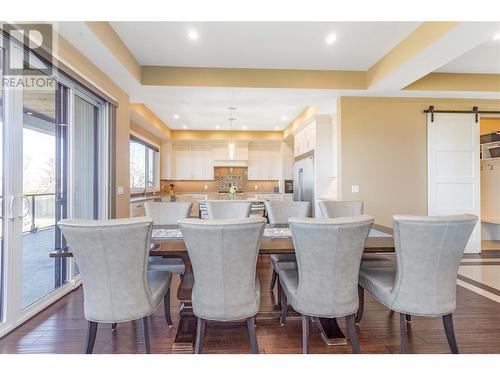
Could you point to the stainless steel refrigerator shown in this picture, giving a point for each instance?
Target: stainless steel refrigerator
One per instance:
(303, 181)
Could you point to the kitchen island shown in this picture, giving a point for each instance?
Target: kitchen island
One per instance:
(137, 202)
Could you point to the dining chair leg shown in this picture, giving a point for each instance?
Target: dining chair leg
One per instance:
(279, 289)
(113, 326)
(200, 335)
(408, 317)
(450, 333)
(305, 334)
(273, 280)
(91, 334)
(254, 346)
(350, 321)
(284, 306)
(403, 333)
(361, 297)
(146, 334)
(166, 308)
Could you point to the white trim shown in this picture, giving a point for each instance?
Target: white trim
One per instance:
(142, 138)
(85, 77)
(157, 182)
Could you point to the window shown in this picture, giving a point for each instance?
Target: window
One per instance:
(144, 166)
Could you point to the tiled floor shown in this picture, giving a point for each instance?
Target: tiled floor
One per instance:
(481, 274)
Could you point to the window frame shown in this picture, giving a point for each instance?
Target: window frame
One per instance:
(148, 147)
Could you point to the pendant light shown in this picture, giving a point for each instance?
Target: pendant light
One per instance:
(231, 147)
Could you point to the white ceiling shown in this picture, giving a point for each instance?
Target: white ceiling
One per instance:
(286, 45)
(484, 58)
(257, 45)
(202, 108)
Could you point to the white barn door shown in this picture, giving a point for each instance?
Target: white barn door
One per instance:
(453, 169)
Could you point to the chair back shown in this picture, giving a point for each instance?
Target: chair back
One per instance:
(428, 254)
(224, 254)
(329, 254)
(333, 209)
(112, 258)
(167, 213)
(279, 212)
(228, 209)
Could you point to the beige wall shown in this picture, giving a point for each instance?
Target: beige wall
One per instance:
(76, 60)
(209, 135)
(490, 125)
(144, 133)
(384, 151)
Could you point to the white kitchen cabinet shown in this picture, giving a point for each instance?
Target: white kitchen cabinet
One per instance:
(192, 162)
(137, 209)
(305, 140)
(166, 161)
(288, 160)
(221, 151)
(264, 161)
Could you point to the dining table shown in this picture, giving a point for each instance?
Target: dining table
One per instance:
(167, 242)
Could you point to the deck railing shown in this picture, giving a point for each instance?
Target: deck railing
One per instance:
(40, 213)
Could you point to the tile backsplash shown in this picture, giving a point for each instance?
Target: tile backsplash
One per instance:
(238, 176)
(191, 186)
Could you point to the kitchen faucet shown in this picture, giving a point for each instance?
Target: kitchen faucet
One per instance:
(150, 183)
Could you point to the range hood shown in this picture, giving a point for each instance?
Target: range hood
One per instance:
(230, 163)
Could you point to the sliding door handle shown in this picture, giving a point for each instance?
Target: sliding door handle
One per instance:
(26, 206)
(10, 207)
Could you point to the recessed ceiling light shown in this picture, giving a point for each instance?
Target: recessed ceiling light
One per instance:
(496, 37)
(330, 39)
(176, 117)
(193, 35)
(184, 127)
(276, 128)
(284, 118)
(217, 127)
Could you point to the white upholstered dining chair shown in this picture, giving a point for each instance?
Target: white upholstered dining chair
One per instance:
(336, 209)
(279, 212)
(167, 213)
(325, 284)
(112, 256)
(228, 209)
(423, 279)
(224, 254)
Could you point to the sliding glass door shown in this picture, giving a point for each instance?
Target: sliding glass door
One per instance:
(86, 133)
(40, 156)
(53, 165)
(2, 200)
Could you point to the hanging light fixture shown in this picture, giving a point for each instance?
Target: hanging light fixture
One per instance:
(231, 147)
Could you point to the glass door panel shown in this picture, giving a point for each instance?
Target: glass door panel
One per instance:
(39, 166)
(2, 210)
(85, 132)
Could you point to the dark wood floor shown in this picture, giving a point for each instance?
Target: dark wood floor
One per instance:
(61, 329)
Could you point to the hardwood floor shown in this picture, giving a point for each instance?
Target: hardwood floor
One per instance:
(61, 329)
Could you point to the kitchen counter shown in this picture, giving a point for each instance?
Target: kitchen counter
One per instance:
(142, 198)
(137, 202)
(255, 197)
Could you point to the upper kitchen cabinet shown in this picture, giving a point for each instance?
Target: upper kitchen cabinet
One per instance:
(305, 139)
(288, 160)
(192, 161)
(264, 161)
(166, 161)
(221, 151)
